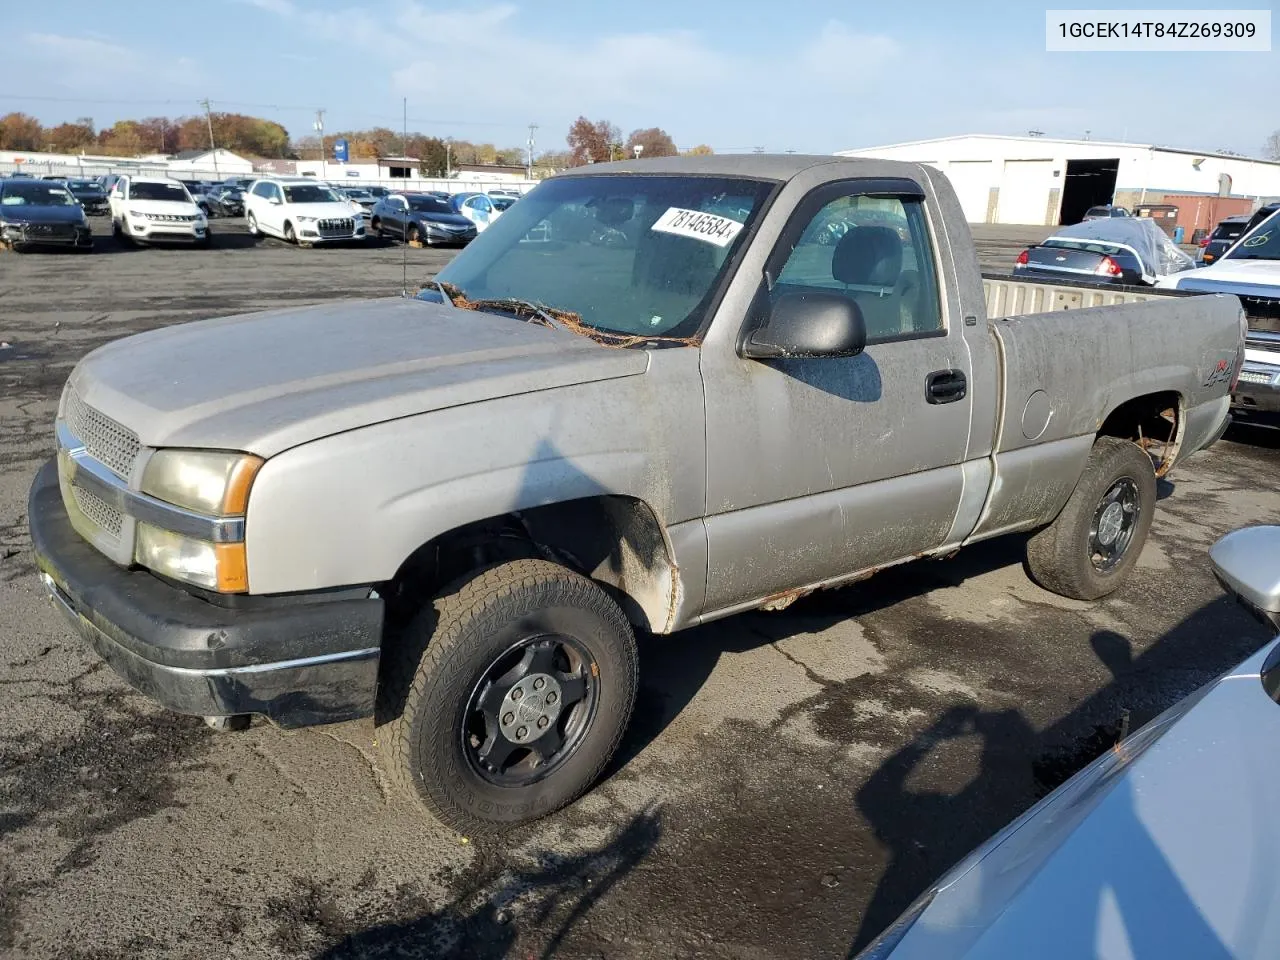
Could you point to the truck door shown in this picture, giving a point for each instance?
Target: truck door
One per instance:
(822, 467)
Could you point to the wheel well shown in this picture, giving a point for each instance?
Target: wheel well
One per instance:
(616, 541)
(1154, 422)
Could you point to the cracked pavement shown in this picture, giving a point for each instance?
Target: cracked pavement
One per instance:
(789, 784)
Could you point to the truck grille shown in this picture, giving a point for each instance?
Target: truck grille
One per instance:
(98, 511)
(1263, 312)
(59, 230)
(336, 228)
(107, 441)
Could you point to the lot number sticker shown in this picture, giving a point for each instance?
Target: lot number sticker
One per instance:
(698, 225)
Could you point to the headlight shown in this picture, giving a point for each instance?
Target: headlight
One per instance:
(306, 219)
(137, 215)
(174, 555)
(208, 482)
(211, 482)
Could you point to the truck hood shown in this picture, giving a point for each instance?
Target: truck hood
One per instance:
(269, 381)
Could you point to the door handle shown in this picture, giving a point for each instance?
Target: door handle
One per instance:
(945, 386)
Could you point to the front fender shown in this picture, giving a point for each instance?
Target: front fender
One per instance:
(352, 507)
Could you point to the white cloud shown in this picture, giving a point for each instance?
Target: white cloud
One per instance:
(89, 62)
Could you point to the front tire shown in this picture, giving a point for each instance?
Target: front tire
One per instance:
(251, 222)
(412, 237)
(289, 235)
(1087, 552)
(508, 696)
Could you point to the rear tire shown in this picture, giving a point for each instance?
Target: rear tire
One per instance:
(447, 689)
(1087, 552)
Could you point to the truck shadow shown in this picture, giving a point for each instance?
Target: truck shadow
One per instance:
(673, 668)
(498, 911)
(925, 832)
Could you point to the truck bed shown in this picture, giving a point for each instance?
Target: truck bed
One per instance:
(1010, 297)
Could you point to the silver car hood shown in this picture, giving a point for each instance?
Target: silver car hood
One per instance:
(269, 381)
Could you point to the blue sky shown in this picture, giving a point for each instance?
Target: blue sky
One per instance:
(806, 75)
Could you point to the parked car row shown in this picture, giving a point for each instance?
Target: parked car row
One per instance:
(303, 210)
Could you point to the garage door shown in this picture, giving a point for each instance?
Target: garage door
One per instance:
(1024, 192)
(972, 180)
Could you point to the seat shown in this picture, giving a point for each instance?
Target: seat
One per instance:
(871, 257)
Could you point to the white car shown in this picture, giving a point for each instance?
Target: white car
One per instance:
(156, 209)
(300, 210)
(476, 207)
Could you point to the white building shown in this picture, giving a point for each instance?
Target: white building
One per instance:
(201, 162)
(402, 173)
(1039, 180)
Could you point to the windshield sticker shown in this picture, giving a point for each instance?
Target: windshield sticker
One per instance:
(698, 226)
(1257, 240)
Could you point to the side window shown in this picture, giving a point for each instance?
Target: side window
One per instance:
(123, 187)
(262, 190)
(876, 251)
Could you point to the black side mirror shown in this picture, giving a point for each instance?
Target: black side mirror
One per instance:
(810, 324)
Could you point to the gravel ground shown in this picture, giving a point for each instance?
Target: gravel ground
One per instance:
(791, 781)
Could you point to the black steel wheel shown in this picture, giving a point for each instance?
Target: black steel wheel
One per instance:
(530, 710)
(506, 697)
(1114, 523)
(1093, 544)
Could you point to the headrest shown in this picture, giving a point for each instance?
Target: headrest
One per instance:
(868, 255)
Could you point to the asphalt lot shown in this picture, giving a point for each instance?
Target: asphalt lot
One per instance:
(791, 781)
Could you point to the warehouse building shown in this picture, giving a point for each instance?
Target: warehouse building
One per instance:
(1040, 180)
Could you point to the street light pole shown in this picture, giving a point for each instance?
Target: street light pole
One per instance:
(319, 125)
(528, 169)
(448, 166)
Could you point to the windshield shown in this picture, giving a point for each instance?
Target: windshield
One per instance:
(143, 190)
(634, 255)
(1262, 244)
(36, 194)
(428, 205)
(309, 193)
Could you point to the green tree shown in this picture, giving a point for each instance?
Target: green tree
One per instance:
(1272, 148)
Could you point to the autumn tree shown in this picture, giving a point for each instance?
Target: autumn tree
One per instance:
(70, 137)
(124, 138)
(701, 150)
(20, 131)
(592, 142)
(654, 141)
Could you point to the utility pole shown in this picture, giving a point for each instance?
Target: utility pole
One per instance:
(208, 116)
(528, 170)
(448, 149)
(319, 125)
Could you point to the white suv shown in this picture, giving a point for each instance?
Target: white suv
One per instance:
(300, 210)
(156, 209)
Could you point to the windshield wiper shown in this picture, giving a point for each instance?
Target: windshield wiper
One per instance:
(524, 309)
